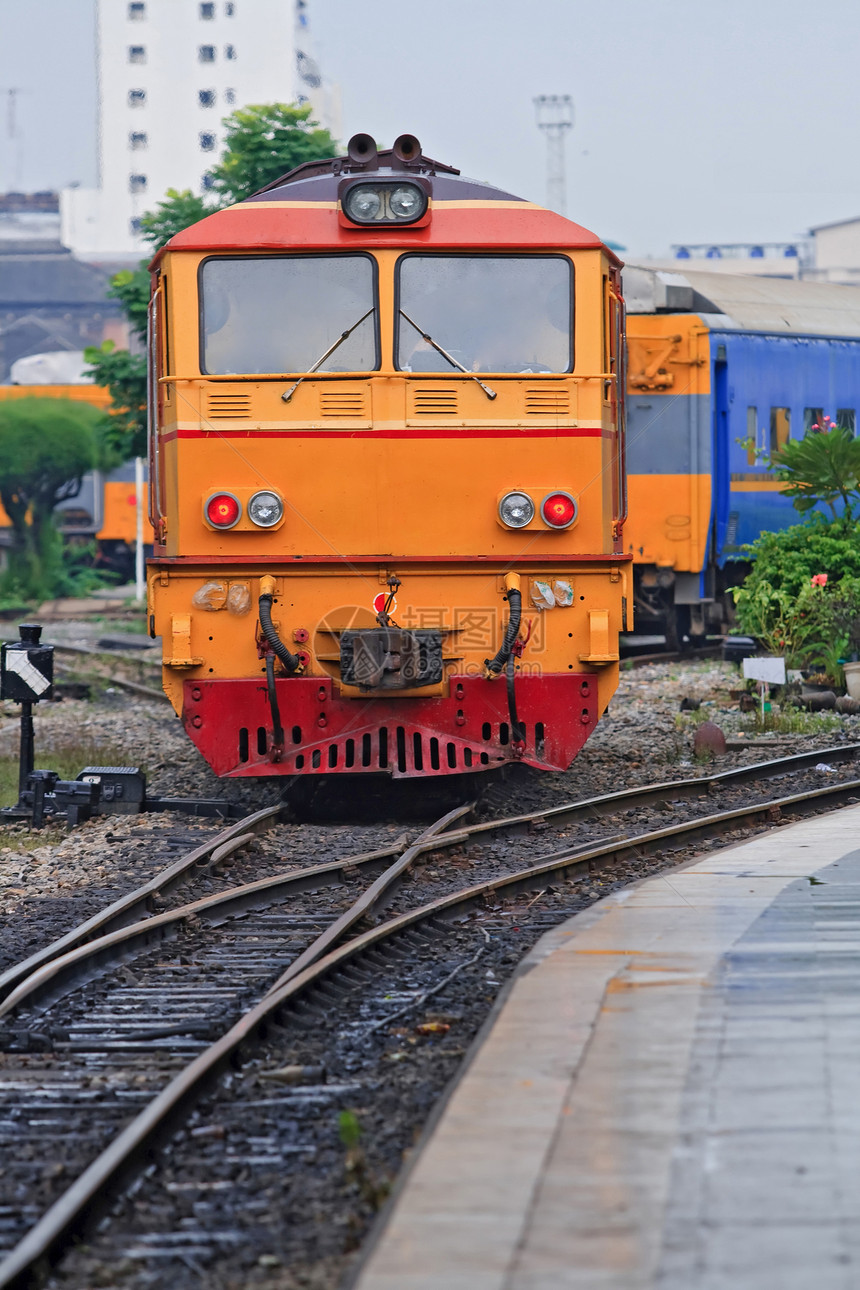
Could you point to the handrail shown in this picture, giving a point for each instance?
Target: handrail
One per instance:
(388, 373)
(156, 508)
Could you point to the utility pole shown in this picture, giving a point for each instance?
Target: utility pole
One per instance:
(16, 159)
(554, 118)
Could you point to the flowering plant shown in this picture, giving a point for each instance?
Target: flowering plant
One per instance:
(821, 469)
(812, 629)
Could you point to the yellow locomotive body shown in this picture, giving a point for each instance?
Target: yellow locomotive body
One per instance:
(423, 621)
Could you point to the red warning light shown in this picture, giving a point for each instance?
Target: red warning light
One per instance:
(558, 510)
(223, 510)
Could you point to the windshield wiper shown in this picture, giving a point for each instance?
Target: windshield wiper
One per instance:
(491, 394)
(288, 394)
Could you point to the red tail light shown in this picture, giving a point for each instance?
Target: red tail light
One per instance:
(223, 510)
(558, 510)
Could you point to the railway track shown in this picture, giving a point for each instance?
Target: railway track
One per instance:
(105, 665)
(133, 1030)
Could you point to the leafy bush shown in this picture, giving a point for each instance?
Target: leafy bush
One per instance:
(822, 468)
(787, 561)
(811, 619)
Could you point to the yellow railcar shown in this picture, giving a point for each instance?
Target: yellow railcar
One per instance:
(105, 509)
(388, 474)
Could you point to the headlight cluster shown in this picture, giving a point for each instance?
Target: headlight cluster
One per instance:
(224, 510)
(558, 510)
(516, 510)
(384, 203)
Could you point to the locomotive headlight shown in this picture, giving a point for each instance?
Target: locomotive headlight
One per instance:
(265, 509)
(384, 203)
(363, 204)
(407, 202)
(516, 510)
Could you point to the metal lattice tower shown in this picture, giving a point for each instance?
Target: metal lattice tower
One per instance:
(555, 118)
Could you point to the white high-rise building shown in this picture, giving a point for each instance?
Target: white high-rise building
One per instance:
(169, 71)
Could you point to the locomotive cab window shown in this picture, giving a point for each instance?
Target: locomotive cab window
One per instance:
(486, 313)
(283, 314)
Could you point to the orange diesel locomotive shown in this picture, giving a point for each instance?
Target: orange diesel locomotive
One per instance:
(388, 469)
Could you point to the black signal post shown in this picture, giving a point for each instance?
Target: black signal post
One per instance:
(26, 677)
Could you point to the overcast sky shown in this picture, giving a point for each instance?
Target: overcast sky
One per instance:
(731, 120)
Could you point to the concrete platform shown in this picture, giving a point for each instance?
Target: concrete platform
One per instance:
(669, 1097)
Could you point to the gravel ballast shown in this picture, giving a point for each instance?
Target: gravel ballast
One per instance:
(307, 1223)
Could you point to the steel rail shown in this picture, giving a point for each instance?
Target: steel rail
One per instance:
(127, 910)
(667, 790)
(129, 907)
(145, 691)
(57, 977)
(670, 656)
(133, 1147)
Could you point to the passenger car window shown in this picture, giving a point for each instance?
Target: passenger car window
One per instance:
(752, 435)
(812, 417)
(780, 428)
(846, 419)
(280, 314)
(491, 313)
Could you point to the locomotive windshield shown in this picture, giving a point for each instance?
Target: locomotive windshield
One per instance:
(280, 314)
(491, 313)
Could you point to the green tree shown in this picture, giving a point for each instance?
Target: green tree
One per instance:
(131, 288)
(263, 142)
(177, 210)
(46, 446)
(124, 375)
(822, 468)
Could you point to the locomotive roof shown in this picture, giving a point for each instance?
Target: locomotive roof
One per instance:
(299, 211)
(744, 302)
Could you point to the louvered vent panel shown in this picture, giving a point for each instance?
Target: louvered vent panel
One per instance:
(343, 403)
(230, 405)
(439, 402)
(548, 401)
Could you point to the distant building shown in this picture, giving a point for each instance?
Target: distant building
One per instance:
(29, 217)
(169, 71)
(49, 301)
(837, 252)
(829, 253)
(760, 259)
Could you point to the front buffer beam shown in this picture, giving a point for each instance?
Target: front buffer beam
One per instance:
(468, 730)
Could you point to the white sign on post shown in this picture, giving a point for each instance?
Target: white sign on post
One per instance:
(771, 670)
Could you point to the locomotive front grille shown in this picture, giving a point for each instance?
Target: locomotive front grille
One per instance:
(438, 402)
(407, 750)
(402, 748)
(343, 403)
(548, 401)
(230, 405)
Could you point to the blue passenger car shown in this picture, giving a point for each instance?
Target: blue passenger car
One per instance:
(722, 371)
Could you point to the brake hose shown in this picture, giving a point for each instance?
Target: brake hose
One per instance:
(291, 662)
(277, 728)
(505, 658)
(515, 600)
(518, 734)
